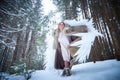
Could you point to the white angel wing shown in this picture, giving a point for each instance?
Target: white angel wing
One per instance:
(87, 40)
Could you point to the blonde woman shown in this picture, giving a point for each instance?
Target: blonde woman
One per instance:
(61, 44)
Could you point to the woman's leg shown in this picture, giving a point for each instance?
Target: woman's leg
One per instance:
(67, 64)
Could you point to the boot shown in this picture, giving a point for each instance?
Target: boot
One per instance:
(63, 73)
(67, 71)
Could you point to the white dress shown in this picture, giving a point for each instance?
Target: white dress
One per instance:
(64, 43)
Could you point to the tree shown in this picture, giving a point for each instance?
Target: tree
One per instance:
(106, 20)
(20, 22)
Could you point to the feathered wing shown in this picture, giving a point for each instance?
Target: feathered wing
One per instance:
(49, 53)
(87, 39)
(85, 46)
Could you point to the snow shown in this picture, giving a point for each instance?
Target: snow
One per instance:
(16, 77)
(101, 70)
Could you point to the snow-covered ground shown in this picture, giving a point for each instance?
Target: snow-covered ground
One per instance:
(101, 70)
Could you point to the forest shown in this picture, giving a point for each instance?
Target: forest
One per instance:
(23, 26)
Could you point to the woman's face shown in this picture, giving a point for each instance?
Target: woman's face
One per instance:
(61, 26)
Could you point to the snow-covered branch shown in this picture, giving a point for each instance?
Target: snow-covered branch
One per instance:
(10, 45)
(10, 29)
(12, 14)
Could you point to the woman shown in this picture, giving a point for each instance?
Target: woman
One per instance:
(62, 51)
